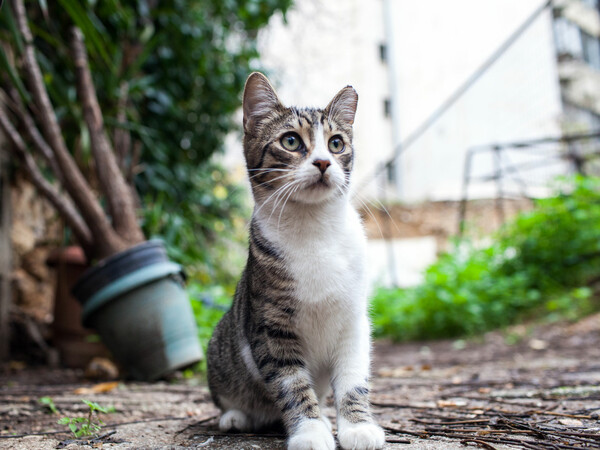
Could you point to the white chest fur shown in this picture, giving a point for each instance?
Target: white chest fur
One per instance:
(324, 248)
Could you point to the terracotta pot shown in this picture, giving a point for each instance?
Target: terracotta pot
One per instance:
(68, 334)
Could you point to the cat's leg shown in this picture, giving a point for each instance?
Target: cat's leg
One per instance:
(301, 412)
(234, 419)
(356, 428)
(289, 383)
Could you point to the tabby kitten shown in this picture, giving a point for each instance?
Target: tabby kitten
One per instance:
(298, 323)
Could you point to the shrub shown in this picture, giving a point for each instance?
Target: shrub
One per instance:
(538, 263)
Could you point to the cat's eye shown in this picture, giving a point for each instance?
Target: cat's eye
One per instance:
(336, 144)
(291, 142)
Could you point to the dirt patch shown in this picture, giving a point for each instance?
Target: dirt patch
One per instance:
(528, 387)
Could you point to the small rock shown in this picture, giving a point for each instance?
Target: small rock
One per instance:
(101, 369)
(570, 422)
(538, 344)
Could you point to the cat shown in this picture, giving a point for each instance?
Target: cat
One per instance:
(298, 323)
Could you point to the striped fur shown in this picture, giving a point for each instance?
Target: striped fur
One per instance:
(298, 323)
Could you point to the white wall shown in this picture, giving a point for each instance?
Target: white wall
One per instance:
(434, 47)
(437, 46)
(323, 47)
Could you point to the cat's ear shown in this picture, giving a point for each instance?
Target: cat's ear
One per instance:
(343, 105)
(260, 99)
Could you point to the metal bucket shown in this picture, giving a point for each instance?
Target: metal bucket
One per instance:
(136, 302)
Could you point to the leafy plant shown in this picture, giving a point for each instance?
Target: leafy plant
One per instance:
(86, 426)
(207, 231)
(167, 77)
(538, 263)
(49, 404)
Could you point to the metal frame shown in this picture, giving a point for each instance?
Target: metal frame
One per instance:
(563, 150)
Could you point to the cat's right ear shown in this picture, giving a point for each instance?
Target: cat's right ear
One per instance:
(260, 100)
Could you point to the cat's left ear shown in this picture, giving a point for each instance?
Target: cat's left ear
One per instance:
(343, 105)
(260, 99)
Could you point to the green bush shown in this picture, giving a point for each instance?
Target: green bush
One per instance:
(539, 263)
(206, 231)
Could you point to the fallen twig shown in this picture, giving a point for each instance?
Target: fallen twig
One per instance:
(479, 443)
(455, 422)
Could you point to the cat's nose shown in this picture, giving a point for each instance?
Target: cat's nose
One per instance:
(322, 164)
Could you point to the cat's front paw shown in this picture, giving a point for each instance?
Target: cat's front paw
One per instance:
(361, 436)
(312, 434)
(234, 420)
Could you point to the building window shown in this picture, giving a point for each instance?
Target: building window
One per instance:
(387, 107)
(383, 56)
(574, 43)
(568, 39)
(591, 49)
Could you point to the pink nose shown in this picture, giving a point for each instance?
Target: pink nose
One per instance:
(322, 164)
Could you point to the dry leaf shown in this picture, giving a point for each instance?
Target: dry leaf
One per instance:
(97, 388)
(398, 372)
(16, 365)
(451, 403)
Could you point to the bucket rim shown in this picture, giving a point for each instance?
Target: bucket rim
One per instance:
(99, 266)
(127, 283)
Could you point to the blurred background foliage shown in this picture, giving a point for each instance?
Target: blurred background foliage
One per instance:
(171, 73)
(544, 263)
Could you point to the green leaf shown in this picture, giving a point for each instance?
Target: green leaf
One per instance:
(83, 20)
(47, 401)
(14, 76)
(94, 406)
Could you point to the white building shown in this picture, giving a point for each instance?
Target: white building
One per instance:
(491, 71)
(406, 58)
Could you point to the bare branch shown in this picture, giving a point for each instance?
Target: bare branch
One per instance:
(62, 204)
(134, 162)
(112, 181)
(107, 240)
(33, 133)
(122, 137)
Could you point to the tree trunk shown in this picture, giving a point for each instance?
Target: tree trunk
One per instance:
(100, 233)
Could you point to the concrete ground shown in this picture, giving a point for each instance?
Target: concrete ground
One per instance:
(528, 387)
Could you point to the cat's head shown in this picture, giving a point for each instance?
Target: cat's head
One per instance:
(298, 154)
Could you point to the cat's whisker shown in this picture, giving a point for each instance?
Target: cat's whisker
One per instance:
(290, 187)
(274, 179)
(265, 171)
(381, 206)
(371, 214)
(279, 197)
(279, 166)
(277, 192)
(285, 203)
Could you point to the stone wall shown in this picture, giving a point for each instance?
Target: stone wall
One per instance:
(36, 231)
